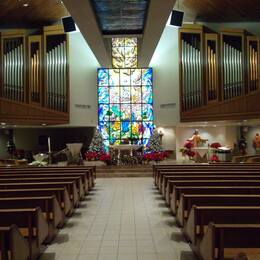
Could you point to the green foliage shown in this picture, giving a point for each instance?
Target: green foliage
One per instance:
(97, 143)
(154, 143)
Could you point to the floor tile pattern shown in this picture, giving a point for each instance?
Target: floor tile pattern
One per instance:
(121, 219)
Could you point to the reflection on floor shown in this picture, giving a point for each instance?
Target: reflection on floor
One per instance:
(121, 219)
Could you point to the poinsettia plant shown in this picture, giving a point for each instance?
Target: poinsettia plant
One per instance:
(186, 150)
(215, 145)
(214, 158)
(91, 156)
(155, 156)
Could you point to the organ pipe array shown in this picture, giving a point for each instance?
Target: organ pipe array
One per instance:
(191, 71)
(232, 67)
(35, 68)
(216, 67)
(211, 70)
(13, 69)
(253, 61)
(56, 76)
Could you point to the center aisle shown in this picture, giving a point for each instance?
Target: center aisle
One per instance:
(121, 219)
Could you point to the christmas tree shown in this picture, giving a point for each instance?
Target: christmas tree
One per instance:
(97, 143)
(154, 142)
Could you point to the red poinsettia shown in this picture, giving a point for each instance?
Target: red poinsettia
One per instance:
(214, 158)
(105, 157)
(215, 145)
(155, 156)
(188, 145)
(91, 156)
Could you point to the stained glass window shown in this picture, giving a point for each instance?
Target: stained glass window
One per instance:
(125, 96)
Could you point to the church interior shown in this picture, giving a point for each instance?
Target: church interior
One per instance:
(129, 130)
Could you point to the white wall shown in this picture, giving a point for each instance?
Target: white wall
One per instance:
(83, 82)
(165, 64)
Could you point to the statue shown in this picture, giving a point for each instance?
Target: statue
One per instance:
(256, 141)
(196, 139)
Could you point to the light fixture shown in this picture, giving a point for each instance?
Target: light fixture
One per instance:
(3, 123)
(25, 4)
(43, 124)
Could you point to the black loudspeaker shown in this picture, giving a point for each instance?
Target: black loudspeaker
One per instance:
(177, 18)
(68, 24)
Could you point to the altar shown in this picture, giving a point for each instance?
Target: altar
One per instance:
(124, 147)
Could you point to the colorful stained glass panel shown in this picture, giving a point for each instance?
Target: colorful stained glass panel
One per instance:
(147, 94)
(103, 95)
(103, 112)
(114, 94)
(103, 77)
(147, 77)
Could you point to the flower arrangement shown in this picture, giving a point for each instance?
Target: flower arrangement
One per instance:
(215, 145)
(155, 156)
(93, 156)
(186, 150)
(214, 158)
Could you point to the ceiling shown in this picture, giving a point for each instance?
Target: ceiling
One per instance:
(220, 10)
(121, 16)
(37, 14)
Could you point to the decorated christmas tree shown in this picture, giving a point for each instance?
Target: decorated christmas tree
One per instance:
(154, 142)
(97, 143)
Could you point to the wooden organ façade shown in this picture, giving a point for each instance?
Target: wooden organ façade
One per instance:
(219, 74)
(34, 75)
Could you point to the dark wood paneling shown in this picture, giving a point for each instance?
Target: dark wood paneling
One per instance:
(12, 112)
(37, 14)
(221, 10)
(245, 107)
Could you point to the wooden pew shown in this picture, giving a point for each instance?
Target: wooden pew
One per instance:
(225, 241)
(38, 178)
(201, 216)
(199, 169)
(178, 190)
(89, 172)
(13, 246)
(164, 175)
(84, 180)
(213, 176)
(171, 184)
(69, 185)
(48, 205)
(188, 200)
(31, 224)
(61, 195)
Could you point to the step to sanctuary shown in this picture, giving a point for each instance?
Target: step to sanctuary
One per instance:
(124, 171)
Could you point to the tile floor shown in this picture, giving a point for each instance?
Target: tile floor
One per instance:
(121, 219)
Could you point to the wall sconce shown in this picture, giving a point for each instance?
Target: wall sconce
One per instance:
(161, 133)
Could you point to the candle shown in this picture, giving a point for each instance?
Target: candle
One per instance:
(49, 144)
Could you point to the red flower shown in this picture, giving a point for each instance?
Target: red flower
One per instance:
(215, 145)
(214, 158)
(91, 156)
(154, 156)
(188, 145)
(105, 157)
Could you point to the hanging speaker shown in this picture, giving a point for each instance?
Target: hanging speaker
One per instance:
(68, 24)
(177, 18)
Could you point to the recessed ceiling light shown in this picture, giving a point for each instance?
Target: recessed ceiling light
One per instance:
(3, 123)
(25, 5)
(43, 124)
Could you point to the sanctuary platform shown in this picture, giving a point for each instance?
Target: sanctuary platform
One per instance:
(124, 171)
